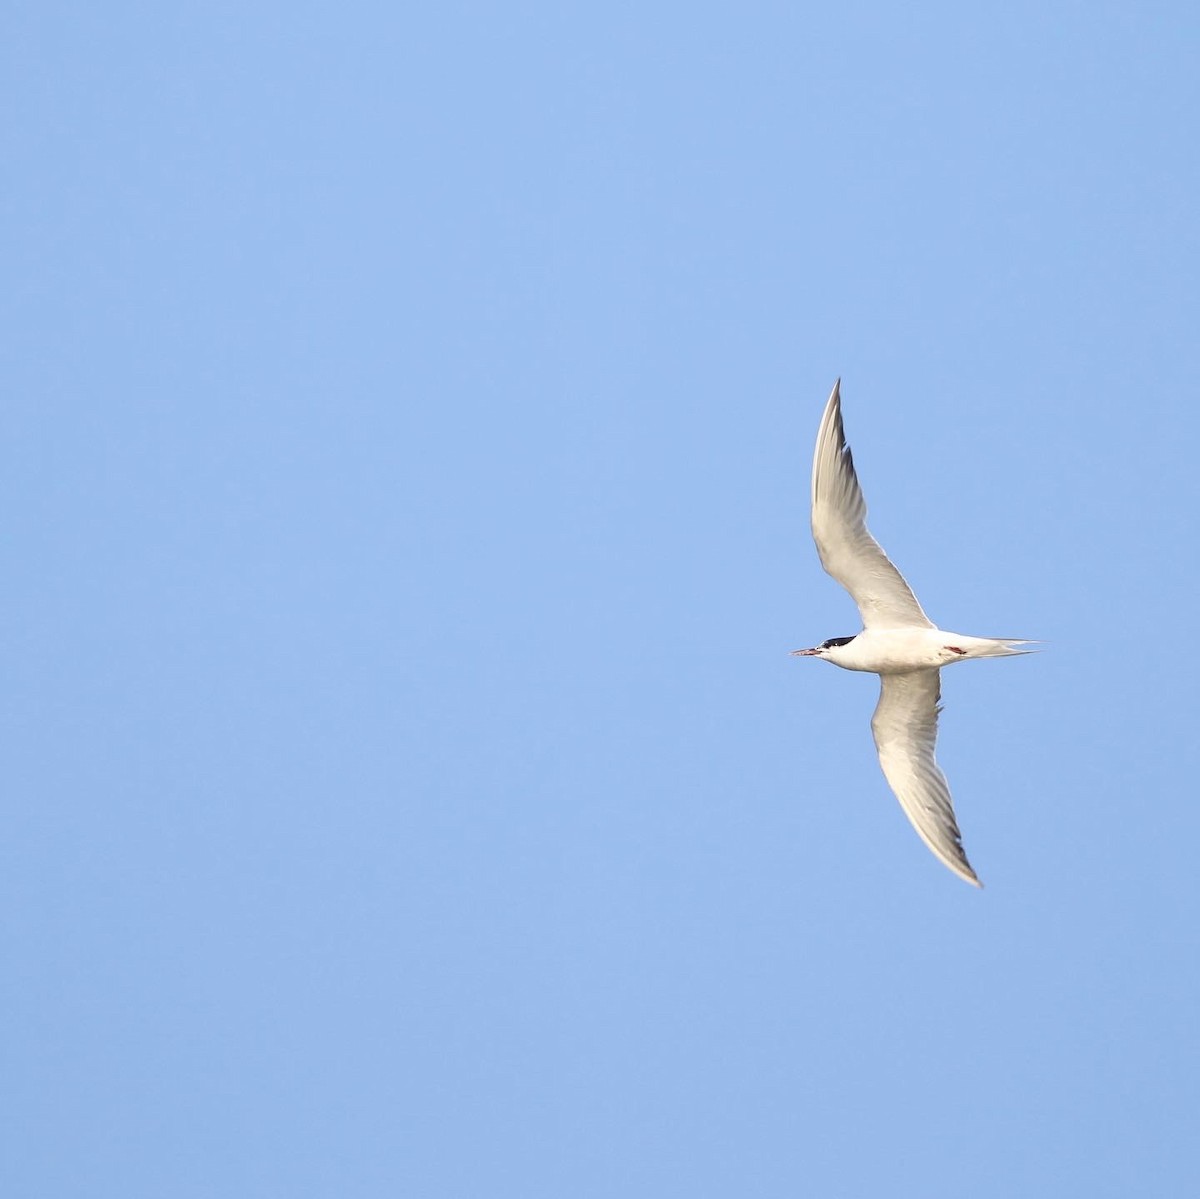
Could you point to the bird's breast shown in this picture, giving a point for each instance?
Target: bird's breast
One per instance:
(892, 651)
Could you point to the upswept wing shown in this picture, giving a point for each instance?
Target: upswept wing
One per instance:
(905, 728)
(839, 524)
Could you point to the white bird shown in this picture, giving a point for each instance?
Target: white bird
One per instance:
(898, 642)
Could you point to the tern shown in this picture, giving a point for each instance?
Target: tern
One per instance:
(898, 642)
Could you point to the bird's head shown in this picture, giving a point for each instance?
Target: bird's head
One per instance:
(827, 649)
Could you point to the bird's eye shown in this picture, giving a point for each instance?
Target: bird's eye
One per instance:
(837, 641)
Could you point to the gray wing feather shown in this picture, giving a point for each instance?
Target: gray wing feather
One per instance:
(905, 728)
(839, 524)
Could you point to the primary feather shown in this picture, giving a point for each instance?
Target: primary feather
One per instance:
(905, 728)
(839, 525)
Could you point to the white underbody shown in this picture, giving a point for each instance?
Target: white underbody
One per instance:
(898, 642)
(896, 651)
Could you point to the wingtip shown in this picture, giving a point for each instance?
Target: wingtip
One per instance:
(831, 418)
(964, 870)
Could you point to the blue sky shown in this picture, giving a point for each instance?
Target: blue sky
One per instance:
(405, 449)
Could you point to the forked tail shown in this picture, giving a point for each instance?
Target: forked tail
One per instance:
(996, 647)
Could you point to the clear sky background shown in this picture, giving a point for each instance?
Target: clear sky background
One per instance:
(406, 431)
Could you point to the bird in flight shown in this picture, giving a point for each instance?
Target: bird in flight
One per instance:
(898, 642)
